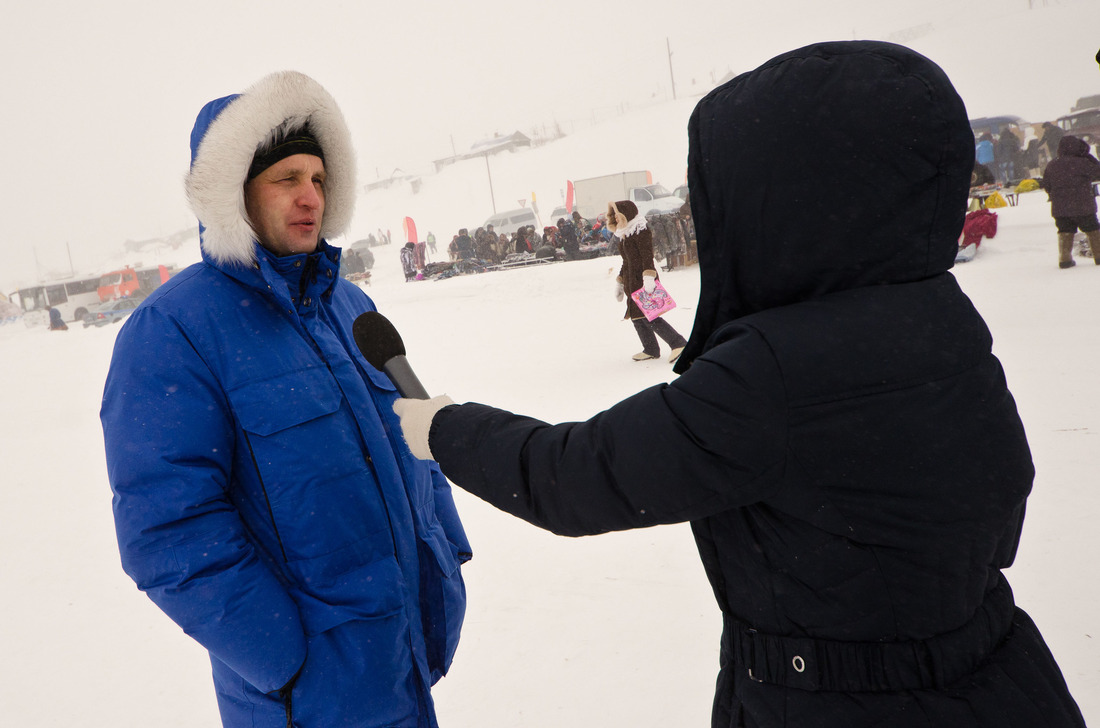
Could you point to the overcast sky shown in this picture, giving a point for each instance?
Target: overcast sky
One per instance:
(100, 97)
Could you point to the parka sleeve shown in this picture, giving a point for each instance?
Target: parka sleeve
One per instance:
(169, 437)
(713, 440)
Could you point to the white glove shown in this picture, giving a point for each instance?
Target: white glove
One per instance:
(416, 417)
(620, 292)
(649, 283)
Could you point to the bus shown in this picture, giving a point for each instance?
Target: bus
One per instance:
(127, 281)
(70, 297)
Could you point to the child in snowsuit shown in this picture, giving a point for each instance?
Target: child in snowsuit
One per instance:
(1068, 181)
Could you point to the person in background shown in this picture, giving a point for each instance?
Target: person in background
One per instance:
(582, 224)
(57, 323)
(856, 551)
(351, 264)
(408, 261)
(1007, 153)
(983, 151)
(261, 496)
(1068, 180)
(639, 272)
(492, 244)
(567, 234)
(522, 243)
(1052, 135)
(465, 245)
(981, 176)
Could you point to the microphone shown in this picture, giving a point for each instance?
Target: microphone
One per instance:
(383, 349)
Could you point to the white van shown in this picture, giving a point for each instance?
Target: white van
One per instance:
(512, 220)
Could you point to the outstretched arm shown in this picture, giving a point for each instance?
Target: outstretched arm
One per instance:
(712, 440)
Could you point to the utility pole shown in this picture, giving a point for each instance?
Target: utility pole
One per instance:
(489, 172)
(673, 78)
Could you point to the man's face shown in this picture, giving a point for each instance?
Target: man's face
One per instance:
(285, 204)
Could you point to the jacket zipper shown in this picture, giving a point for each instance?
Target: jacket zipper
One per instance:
(267, 499)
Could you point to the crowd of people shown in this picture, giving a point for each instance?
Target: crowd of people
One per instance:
(1061, 164)
(1007, 159)
(570, 238)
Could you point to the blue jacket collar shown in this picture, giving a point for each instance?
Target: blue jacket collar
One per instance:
(294, 280)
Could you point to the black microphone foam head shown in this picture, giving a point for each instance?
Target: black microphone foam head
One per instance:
(377, 338)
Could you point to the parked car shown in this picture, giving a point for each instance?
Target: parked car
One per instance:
(512, 220)
(655, 199)
(1083, 125)
(994, 125)
(110, 312)
(681, 192)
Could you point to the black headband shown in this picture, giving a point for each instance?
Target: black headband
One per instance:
(300, 141)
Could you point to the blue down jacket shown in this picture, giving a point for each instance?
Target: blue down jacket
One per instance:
(264, 500)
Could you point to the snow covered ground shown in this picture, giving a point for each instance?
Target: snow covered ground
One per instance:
(616, 630)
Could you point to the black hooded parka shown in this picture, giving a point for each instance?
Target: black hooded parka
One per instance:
(841, 439)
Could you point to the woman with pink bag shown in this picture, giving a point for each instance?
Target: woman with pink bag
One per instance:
(637, 275)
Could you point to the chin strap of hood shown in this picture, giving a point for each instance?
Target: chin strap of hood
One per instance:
(227, 133)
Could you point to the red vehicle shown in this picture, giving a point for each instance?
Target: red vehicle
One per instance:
(128, 281)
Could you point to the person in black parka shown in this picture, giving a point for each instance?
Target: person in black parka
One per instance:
(1068, 181)
(855, 548)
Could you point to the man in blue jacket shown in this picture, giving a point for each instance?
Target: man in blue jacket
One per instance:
(262, 496)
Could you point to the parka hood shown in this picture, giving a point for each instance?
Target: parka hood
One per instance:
(224, 140)
(623, 218)
(835, 166)
(1071, 146)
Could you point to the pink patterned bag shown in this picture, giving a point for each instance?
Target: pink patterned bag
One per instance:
(653, 304)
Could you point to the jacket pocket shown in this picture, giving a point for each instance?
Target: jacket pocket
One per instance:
(345, 586)
(284, 401)
(442, 598)
(313, 490)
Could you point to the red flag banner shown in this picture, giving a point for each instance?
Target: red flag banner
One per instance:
(410, 230)
(569, 197)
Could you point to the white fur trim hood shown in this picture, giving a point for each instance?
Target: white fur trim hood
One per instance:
(219, 168)
(634, 226)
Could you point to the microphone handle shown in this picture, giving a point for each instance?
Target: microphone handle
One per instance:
(401, 374)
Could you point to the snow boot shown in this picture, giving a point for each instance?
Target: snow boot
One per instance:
(675, 354)
(1094, 245)
(643, 356)
(1065, 250)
